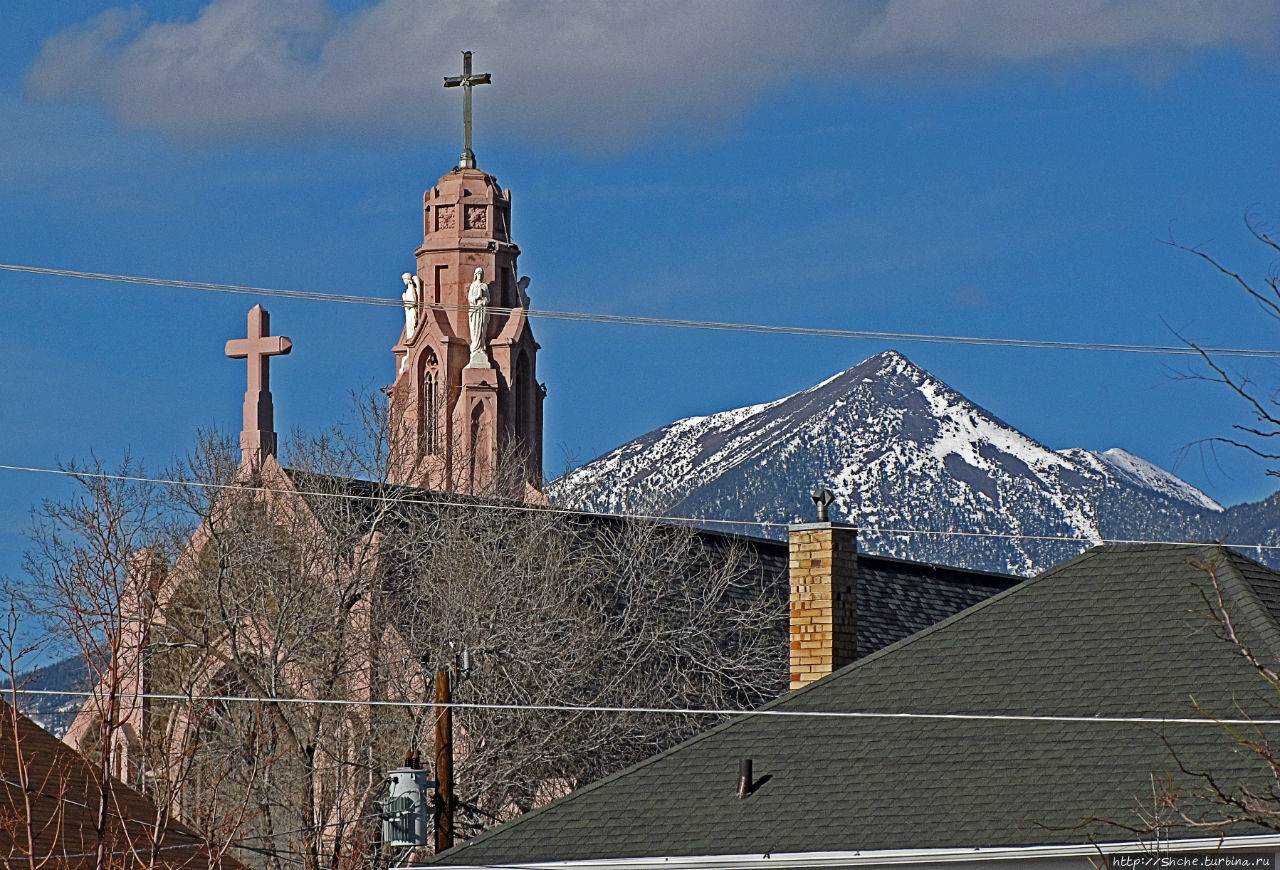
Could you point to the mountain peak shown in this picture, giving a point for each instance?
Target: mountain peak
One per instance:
(910, 461)
(888, 370)
(887, 363)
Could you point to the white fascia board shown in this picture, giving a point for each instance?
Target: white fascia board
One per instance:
(815, 860)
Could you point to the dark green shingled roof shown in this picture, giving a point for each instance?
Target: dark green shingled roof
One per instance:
(1118, 631)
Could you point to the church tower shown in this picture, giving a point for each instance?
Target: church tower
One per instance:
(466, 405)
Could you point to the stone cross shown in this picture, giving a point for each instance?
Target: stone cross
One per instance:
(258, 438)
(467, 81)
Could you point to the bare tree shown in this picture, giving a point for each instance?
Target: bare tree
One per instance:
(31, 831)
(1260, 436)
(55, 808)
(552, 609)
(304, 595)
(558, 610)
(269, 600)
(82, 562)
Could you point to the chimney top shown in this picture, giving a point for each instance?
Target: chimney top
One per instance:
(822, 499)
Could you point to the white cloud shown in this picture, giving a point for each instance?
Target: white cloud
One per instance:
(595, 73)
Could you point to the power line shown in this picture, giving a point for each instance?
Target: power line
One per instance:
(308, 828)
(386, 499)
(1066, 539)
(675, 711)
(668, 322)
(511, 506)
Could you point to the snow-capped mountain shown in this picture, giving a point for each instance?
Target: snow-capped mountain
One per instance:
(53, 713)
(1124, 465)
(922, 471)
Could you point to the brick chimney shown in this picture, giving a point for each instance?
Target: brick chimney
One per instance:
(823, 572)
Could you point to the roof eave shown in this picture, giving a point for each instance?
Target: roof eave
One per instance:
(951, 855)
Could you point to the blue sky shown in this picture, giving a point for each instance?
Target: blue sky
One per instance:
(991, 168)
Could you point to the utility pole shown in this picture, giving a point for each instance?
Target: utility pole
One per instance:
(444, 761)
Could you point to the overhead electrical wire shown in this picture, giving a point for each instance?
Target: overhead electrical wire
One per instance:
(677, 323)
(385, 499)
(512, 506)
(673, 711)
(694, 324)
(629, 320)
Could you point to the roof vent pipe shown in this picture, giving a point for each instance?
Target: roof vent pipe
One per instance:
(822, 499)
(744, 778)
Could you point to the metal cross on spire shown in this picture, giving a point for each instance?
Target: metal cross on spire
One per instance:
(467, 81)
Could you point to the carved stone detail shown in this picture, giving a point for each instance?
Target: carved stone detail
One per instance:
(445, 218)
(477, 217)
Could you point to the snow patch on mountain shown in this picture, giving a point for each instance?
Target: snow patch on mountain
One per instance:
(985, 443)
(921, 470)
(1143, 473)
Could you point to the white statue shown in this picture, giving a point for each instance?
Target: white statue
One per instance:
(478, 321)
(412, 297)
(522, 291)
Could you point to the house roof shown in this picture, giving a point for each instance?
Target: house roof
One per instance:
(897, 598)
(1120, 631)
(63, 806)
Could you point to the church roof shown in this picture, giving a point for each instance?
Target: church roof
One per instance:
(1120, 631)
(896, 597)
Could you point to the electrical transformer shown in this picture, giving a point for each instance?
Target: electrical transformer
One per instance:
(406, 810)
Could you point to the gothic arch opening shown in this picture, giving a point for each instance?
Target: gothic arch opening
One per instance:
(521, 397)
(477, 433)
(429, 402)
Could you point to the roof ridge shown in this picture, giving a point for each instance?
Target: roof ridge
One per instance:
(976, 572)
(1242, 591)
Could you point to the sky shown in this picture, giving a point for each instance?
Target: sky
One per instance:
(1005, 169)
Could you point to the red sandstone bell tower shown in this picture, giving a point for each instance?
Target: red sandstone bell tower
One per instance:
(466, 410)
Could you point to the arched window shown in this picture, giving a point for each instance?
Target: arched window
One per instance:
(431, 402)
(477, 427)
(521, 395)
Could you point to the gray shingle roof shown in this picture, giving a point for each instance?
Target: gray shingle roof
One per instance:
(897, 598)
(1118, 631)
